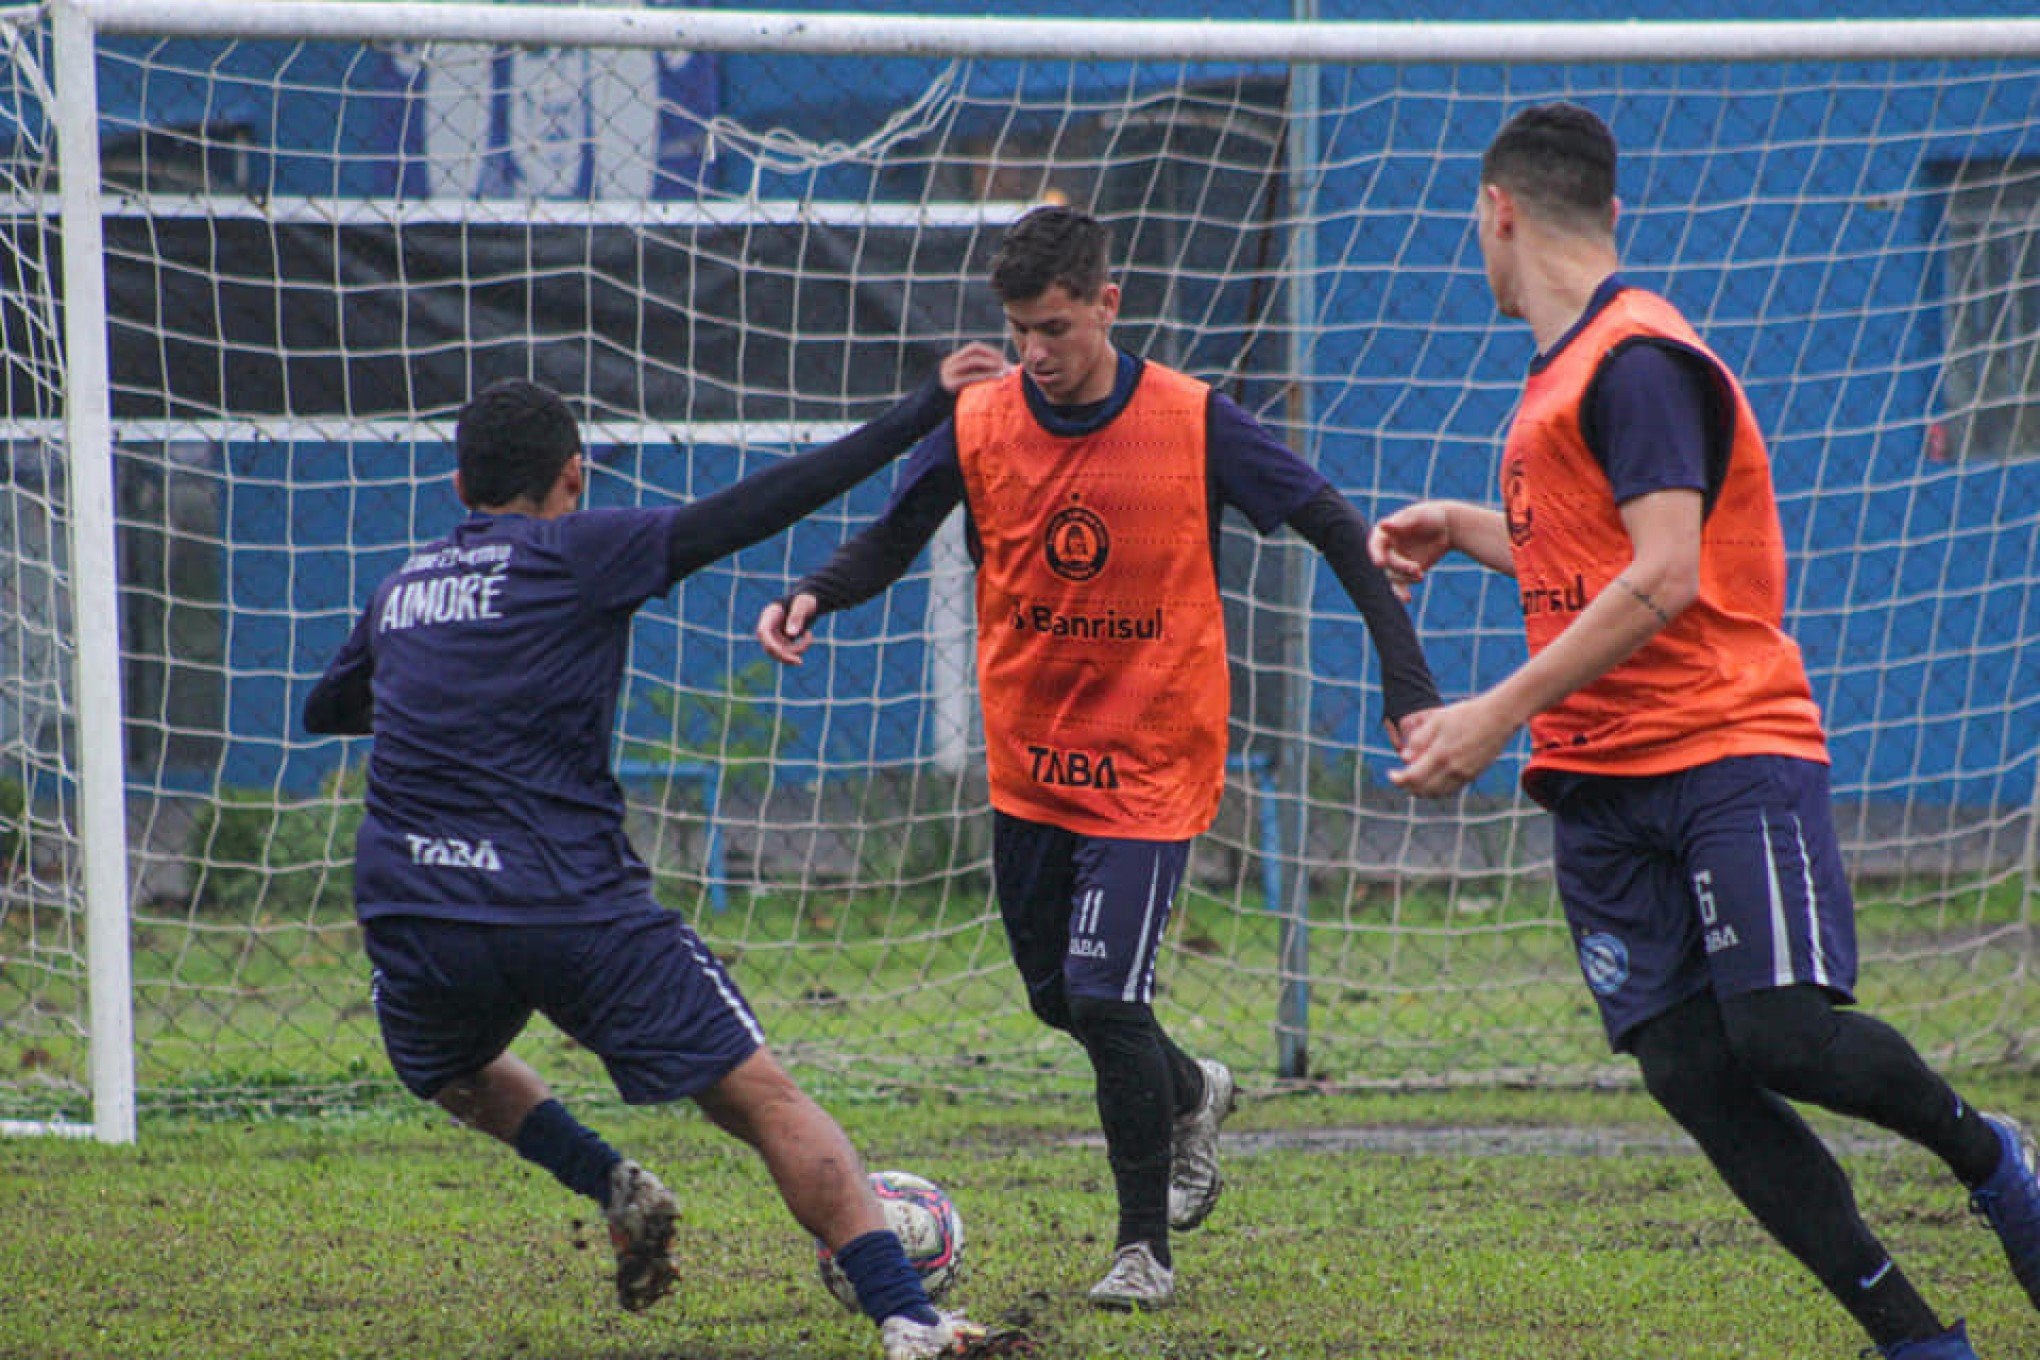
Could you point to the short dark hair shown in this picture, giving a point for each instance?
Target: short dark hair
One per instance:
(513, 437)
(1050, 246)
(1559, 159)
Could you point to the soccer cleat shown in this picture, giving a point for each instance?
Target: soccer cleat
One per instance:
(1952, 1344)
(2010, 1201)
(1194, 1182)
(640, 1213)
(950, 1334)
(1136, 1281)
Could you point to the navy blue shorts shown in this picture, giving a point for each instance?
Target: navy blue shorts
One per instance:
(642, 992)
(1084, 914)
(1726, 878)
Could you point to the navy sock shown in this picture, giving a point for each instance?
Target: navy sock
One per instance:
(886, 1282)
(572, 1151)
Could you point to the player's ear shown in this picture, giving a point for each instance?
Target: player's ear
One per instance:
(459, 491)
(574, 478)
(1108, 298)
(1501, 206)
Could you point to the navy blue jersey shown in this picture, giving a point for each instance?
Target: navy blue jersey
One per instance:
(497, 655)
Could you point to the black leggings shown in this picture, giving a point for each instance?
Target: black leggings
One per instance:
(1141, 1081)
(1725, 1070)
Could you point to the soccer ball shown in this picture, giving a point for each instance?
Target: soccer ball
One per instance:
(924, 1220)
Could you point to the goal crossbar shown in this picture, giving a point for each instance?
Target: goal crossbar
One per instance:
(1304, 43)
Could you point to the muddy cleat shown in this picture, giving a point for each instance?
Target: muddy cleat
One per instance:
(1952, 1344)
(950, 1334)
(2010, 1201)
(1136, 1281)
(1194, 1182)
(640, 1213)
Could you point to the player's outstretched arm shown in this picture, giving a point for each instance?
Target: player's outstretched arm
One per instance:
(1447, 748)
(1409, 542)
(931, 487)
(875, 558)
(771, 501)
(1329, 523)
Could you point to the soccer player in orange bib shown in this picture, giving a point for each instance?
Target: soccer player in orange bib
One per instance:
(1675, 740)
(1092, 482)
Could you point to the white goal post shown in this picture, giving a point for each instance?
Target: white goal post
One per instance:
(253, 253)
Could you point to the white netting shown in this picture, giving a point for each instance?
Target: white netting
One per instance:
(315, 249)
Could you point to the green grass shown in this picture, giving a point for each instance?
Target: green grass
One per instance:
(286, 1201)
(1355, 1226)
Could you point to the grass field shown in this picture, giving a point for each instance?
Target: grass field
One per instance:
(284, 1201)
(1501, 1224)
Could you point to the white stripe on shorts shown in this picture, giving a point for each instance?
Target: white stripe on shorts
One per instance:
(1822, 973)
(722, 985)
(1139, 979)
(1781, 939)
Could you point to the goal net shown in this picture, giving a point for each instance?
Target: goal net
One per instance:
(319, 226)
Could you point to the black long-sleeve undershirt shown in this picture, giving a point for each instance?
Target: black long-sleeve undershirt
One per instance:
(768, 502)
(1329, 523)
(879, 555)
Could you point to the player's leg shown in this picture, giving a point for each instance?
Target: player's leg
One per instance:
(810, 1159)
(823, 1183)
(646, 995)
(1643, 950)
(1780, 1170)
(1034, 866)
(1769, 885)
(1035, 869)
(448, 1012)
(1123, 891)
(1797, 1042)
(1202, 1097)
(1033, 873)
(1074, 910)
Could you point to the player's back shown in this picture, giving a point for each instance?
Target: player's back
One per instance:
(498, 655)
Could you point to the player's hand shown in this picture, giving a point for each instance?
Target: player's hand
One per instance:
(785, 628)
(1445, 749)
(1395, 731)
(1409, 542)
(974, 362)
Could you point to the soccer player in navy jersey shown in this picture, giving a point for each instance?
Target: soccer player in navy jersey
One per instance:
(1676, 743)
(492, 874)
(1092, 483)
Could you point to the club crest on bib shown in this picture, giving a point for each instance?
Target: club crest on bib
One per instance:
(1516, 501)
(1076, 544)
